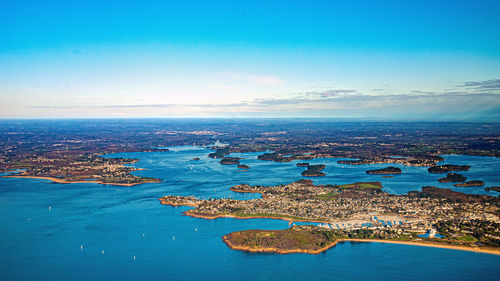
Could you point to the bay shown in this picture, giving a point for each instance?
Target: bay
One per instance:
(94, 231)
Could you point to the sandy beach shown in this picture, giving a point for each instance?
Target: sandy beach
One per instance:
(492, 251)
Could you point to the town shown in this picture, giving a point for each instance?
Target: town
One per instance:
(459, 218)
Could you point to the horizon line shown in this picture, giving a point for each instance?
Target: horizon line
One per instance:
(372, 119)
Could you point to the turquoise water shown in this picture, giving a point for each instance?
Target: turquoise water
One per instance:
(93, 232)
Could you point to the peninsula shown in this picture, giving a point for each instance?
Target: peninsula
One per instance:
(87, 168)
(354, 211)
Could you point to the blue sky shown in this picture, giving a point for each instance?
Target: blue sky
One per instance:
(437, 60)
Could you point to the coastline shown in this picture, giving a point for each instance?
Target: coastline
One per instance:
(272, 249)
(168, 203)
(212, 217)
(65, 182)
(244, 191)
(490, 251)
(256, 249)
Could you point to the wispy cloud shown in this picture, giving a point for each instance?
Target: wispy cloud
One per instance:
(424, 93)
(488, 85)
(330, 93)
(125, 106)
(408, 106)
(466, 103)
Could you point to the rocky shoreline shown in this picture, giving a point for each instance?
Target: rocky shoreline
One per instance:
(233, 246)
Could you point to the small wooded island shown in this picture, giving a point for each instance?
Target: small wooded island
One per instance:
(453, 177)
(314, 171)
(230, 161)
(243, 167)
(385, 171)
(471, 183)
(447, 168)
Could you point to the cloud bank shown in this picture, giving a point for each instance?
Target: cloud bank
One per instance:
(468, 101)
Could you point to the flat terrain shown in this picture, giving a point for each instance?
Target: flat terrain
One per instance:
(71, 150)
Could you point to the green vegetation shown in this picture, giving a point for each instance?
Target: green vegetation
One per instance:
(361, 233)
(327, 196)
(297, 238)
(484, 232)
(304, 238)
(467, 238)
(362, 185)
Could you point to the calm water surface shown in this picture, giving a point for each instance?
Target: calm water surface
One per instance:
(94, 232)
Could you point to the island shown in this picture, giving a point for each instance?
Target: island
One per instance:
(471, 183)
(314, 171)
(220, 152)
(276, 157)
(422, 160)
(302, 164)
(385, 171)
(354, 212)
(494, 188)
(230, 161)
(453, 177)
(447, 168)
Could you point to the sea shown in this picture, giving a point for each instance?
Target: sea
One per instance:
(89, 231)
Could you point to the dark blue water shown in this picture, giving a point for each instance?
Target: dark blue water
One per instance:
(41, 244)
